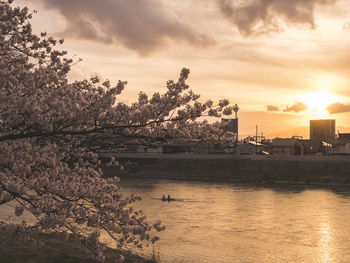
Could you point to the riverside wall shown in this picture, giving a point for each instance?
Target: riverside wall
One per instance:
(231, 168)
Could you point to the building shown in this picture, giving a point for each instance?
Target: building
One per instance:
(188, 146)
(230, 125)
(341, 145)
(250, 148)
(322, 130)
(221, 148)
(313, 147)
(287, 146)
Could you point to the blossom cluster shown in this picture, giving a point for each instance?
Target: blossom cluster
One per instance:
(46, 123)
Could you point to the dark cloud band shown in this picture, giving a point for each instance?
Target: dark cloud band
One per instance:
(264, 16)
(140, 25)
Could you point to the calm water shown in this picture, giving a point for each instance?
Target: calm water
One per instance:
(235, 223)
(242, 223)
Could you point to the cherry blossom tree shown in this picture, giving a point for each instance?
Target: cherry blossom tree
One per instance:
(46, 166)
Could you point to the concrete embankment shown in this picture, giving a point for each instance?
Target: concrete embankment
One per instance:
(230, 168)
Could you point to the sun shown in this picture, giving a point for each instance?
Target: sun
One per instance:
(318, 102)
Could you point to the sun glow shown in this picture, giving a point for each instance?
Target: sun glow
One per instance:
(319, 101)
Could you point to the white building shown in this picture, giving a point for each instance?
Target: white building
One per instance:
(341, 145)
(250, 148)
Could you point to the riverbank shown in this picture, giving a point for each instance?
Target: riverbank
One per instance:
(51, 248)
(323, 170)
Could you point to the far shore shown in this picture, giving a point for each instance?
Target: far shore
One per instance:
(320, 170)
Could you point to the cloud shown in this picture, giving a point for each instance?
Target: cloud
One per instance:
(265, 16)
(141, 25)
(346, 27)
(272, 108)
(338, 108)
(296, 107)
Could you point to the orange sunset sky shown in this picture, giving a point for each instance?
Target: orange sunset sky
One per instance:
(283, 62)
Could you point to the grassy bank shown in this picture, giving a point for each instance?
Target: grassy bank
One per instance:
(51, 248)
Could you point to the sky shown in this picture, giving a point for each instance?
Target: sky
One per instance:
(283, 62)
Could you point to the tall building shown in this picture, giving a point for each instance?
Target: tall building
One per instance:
(231, 125)
(323, 130)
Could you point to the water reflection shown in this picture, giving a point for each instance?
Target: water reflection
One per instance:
(326, 248)
(240, 223)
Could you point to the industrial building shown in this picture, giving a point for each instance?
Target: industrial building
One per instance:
(322, 130)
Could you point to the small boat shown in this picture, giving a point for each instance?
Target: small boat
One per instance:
(174, 200)
(166, 199)
(169, 199)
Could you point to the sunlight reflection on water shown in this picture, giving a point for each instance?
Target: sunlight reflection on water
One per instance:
(235, 223)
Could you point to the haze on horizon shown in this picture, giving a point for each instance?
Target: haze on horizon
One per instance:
(283, 62)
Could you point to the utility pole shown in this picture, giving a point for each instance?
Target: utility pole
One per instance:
(236, 109)
(256, 140)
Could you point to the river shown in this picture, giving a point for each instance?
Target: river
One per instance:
(221, 222)
(216, 222)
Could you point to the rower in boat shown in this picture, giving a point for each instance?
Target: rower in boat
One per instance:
(170, 199)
